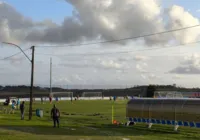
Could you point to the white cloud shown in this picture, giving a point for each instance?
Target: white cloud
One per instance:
(181, 18)
(124, 59)
(61, 80)
(98, 64)
(5, 31)
(143, 76)
(193, 59)
(107, 22)
(198, 10)
(16, 60)
(140, 58)
(144, 64)
(69, 80)
(77, 77)
(110, 64)
(135, 58)
(149, 77)
(152, 76)
(142, 68)
(177, 76)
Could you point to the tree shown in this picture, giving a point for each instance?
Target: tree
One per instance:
(150, 90)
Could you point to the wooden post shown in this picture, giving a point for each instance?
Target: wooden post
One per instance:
(32, 80)
(50, 75)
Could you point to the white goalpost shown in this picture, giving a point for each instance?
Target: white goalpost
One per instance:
(167, 94)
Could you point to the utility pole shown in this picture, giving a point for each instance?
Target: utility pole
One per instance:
(50, 75)
(32, 79)
(32, 73)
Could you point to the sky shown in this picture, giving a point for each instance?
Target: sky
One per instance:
(52, 25)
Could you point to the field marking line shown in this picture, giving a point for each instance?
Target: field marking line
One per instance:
(89, 127)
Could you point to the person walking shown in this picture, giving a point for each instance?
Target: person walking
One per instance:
(13, 107)
(22, 107)
(55, 115)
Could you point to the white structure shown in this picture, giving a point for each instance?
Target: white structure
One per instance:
(167, 94)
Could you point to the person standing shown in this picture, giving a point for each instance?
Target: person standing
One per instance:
(22, 107)
(55, 115)
(114, 98)
(50, 99)
(18, 103)
(71, 99)
(56, 99)
(42, 101)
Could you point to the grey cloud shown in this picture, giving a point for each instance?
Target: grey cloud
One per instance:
(47, 23)
(13, 25)
(186, 70)
(15, 19)
(189, 65)
(70, 31)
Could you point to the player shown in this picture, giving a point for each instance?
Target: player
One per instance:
(55, 115)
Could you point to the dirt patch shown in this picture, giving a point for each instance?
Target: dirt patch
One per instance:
(73, 114)
(95, 114)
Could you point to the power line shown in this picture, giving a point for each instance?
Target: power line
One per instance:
(8, 57)
(120, 51)
(123, 39)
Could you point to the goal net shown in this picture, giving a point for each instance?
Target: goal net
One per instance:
(63, 95)
(167, 94)
(94, 95)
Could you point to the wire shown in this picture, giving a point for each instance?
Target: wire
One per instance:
(9, 43)
(8, 57)
(123, 39)
(119, 52)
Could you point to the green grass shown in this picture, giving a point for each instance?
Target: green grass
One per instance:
(78, 122)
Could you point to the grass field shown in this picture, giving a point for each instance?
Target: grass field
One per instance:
(85, 120)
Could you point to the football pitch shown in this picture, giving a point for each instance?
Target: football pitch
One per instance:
(85, 120)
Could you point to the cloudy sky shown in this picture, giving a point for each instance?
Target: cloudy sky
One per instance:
(61, 29)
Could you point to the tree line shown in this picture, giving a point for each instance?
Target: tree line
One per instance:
(139, 90)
